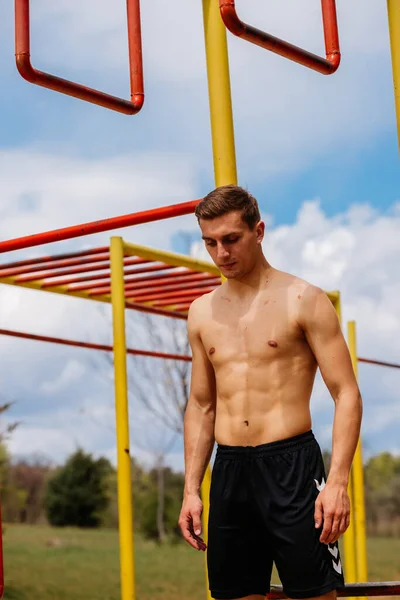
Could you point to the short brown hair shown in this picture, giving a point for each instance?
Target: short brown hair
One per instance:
(228, 198)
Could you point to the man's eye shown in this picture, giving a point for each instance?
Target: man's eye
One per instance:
(210, 243)
(232, 240)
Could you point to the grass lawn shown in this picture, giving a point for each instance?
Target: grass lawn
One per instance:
(83, 565)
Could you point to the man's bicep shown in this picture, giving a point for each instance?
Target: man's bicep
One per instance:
(325, 338)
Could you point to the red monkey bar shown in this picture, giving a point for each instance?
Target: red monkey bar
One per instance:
(67, 233)
(326, 66)
(28, 72)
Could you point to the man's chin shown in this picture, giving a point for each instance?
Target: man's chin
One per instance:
(229, 274)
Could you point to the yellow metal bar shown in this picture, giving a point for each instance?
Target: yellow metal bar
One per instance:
(170, 258)
(349, 541)
(56, 289)
(125, 508)
(205, 495)
(334, 297)
(219, 90)
(358, 479)
(394, 32)
(223, 140)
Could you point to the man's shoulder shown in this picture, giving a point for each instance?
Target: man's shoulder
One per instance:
(305, 297)
(299, 285)
(199, 308)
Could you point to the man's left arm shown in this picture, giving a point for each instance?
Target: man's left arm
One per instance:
(320, 324)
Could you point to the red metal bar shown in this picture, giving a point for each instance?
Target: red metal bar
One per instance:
(177, 283)
(28, 72)
(175, 301)
(106, 289)
(145, 291)
(58, 264)
(375, 588)
(173, 295)
(45, 275)
(177, 276)
(90, 346)
(162, 284)
(100, 278)
(181, 307)
(378, 362)
(67, 233)
(104, 281)
(169, 303)
(53, 258)
(156, 311)
(326, 66)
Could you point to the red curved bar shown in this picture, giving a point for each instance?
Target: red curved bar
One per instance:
(326, 66)
(28, 72)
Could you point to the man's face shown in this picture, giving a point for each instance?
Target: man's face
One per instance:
(233, 247)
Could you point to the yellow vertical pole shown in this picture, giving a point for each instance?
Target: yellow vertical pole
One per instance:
(223, 140)
(125, 507)
(358, 479)
(394, 32)
(219, 91)
(349, 541)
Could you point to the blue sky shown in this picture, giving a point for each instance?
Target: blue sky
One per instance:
(319, 153)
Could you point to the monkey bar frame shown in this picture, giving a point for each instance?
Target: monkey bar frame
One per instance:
(121, 275)
(326, 66)
(28, 72)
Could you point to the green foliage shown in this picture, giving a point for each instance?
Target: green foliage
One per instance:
(381, 469)
(382, 486)
(77, 493)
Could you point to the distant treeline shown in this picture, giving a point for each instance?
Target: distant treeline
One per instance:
(83, 493)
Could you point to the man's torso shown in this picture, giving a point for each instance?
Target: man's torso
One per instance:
(263, 365)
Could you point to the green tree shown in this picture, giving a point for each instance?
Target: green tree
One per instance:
(77, 493)
(382, 477)
(149, 505)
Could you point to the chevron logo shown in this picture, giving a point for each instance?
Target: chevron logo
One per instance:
(320, 486)
(337, 567)
(334, 551)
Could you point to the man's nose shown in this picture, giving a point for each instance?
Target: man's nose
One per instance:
(222, 251)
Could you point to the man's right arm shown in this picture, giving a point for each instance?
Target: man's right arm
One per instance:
(199, 425)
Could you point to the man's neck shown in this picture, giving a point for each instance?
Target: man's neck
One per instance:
(252, 282)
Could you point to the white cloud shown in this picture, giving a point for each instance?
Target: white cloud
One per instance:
(66, 190)
(72, 372)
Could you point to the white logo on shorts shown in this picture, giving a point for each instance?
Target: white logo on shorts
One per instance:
(334, 550)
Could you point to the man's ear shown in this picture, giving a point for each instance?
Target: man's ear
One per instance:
(260, 231)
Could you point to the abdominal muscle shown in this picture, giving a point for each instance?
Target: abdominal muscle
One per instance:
(258, 404)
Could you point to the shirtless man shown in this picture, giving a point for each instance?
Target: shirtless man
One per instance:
(257, 342)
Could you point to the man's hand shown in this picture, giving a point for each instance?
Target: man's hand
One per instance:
(332, 508)
(190, 521)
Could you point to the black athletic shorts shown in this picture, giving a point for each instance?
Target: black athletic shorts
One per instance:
(262, 503)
